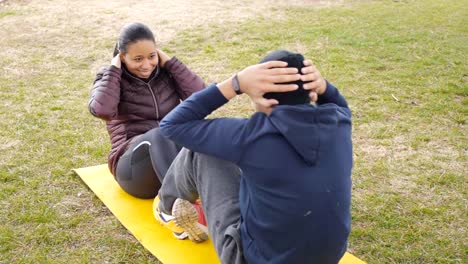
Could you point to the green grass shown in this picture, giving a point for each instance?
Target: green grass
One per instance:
(401, 64)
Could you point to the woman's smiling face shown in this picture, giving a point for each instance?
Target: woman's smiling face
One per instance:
(141, 58)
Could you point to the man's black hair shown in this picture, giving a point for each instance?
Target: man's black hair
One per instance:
(299, 96)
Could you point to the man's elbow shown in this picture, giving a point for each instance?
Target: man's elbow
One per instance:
(164, 128)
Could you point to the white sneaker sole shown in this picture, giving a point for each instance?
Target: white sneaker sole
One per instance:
(186, 217)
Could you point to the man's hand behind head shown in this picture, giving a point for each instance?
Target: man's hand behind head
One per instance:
(316, 84)
(256, 80)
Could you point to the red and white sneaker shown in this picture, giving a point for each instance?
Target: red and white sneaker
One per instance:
(201, 214)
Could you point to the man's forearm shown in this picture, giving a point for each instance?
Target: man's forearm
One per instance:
(227, 89)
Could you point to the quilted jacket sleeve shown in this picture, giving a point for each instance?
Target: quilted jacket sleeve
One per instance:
(187, 82)
(105, 94)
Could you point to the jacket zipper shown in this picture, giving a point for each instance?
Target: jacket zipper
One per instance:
(155, 100)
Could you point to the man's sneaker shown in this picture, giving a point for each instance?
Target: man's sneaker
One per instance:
(167, 221)
(186, 217)
(184, 220)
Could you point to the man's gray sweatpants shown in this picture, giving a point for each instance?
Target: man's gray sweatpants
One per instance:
(216, 182)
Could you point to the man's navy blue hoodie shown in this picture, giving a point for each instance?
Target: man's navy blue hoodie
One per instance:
(296, 172)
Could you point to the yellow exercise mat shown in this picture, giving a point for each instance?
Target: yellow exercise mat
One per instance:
(137, 216)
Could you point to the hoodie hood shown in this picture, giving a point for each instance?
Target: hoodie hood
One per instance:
(307, 127)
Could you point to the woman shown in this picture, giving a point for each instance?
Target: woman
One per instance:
(132, 95)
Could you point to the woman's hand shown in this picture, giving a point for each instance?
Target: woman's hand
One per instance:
(256, 80)
(116, 61)
(163, 57)
(317, 84)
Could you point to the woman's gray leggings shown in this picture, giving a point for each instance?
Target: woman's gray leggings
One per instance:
(141, 169)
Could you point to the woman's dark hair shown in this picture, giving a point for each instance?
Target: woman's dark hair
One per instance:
(132, 33)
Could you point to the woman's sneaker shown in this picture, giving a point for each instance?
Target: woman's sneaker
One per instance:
(183, 222)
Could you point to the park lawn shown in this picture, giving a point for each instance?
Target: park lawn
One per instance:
(402, 65)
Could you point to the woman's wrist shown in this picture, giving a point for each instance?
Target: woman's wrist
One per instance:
(163, 58)
(116, 62)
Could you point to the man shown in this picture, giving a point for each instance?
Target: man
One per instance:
(290, 200)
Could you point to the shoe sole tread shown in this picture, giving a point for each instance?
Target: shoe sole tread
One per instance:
(186, 217)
